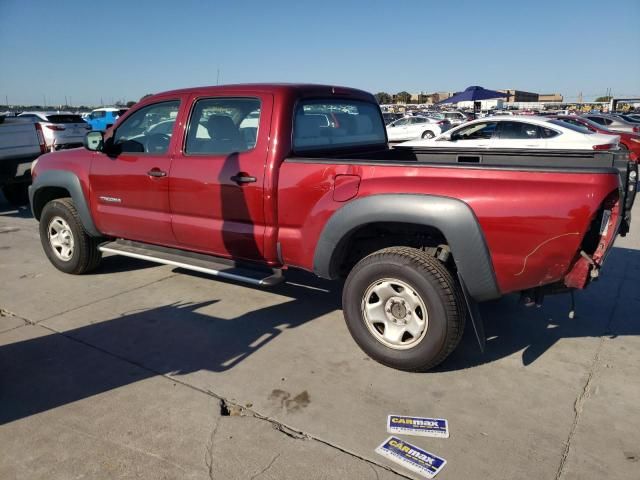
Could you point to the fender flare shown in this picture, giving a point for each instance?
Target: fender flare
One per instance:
(454, 218)
(70, 182)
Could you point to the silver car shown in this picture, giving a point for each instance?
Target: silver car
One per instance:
(60, 129)
(613, 122)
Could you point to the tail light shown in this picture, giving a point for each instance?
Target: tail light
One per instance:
(43, 144)
(57, 128)
(605, 146)
(441, 122)
(636, 129)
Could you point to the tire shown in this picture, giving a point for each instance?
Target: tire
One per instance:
(76, 252)
(424, 292)
(428, 134)
(623, 147)
(17, 194)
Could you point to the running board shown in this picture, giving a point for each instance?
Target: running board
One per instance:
(198, 262)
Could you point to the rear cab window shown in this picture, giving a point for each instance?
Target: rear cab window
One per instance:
(336, 124)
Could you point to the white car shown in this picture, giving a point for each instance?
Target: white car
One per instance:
(520, 132)
(408, 128)
(456, 118)
(60, 129)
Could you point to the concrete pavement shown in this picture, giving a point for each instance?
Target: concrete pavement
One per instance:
(143, 371)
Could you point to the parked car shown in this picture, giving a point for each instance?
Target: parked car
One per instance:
(419, 236)
(21, 142)
(514, 132)
(60, 129)
(391, 117)
(101, 119)
(408, 128)
(455, 118)
(613, 122)
(627, 118)
(628, 141)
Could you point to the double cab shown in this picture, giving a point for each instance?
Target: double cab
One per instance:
(248, 181)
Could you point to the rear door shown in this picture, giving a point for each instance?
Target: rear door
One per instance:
(130, 187)
(217, 178)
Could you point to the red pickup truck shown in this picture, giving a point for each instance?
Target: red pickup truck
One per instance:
(246, 181)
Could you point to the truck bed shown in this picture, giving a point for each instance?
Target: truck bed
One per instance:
(541, 193)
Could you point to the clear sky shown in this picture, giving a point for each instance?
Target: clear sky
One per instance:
(113, 50)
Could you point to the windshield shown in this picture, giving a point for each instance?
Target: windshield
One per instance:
(331, 124)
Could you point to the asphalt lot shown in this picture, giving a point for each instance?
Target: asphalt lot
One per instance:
(144, 371)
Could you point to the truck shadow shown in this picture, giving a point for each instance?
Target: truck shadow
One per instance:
(607, 308)
(8, 210)
(43, 372)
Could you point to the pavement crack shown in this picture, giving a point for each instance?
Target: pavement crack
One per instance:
(273, 460)
(7, 313)
(105, 298)
(208, 456)
(374, 471)
(102, 438)
(585, 393)
(286, 429)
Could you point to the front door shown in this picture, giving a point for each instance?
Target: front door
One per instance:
(476, 135)
(512, 134)
(130, 185)
(217, 180)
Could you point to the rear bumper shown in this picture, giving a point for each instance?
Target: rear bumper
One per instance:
(615, 220)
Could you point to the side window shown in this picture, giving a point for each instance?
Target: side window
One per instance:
(518, 131)
(146, 130)
(218, 126)
(599, 120)
(99, 114)
(478, 131)
(548, 133)
(401, 122)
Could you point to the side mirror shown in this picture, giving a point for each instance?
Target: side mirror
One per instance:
(94, 141)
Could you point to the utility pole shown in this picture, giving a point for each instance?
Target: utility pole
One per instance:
(218, 77)
(44, 101)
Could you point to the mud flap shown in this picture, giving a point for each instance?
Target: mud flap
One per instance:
(474, 315)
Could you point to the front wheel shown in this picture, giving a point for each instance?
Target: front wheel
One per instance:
(404, 308)
(64, 240)
(428, 134)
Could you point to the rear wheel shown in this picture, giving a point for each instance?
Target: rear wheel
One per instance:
(623, 147)
(64, 240)
(428, 134)
(17, 194)
(404, 308)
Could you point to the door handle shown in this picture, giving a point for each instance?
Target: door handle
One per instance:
(242, 177)
(156, 172)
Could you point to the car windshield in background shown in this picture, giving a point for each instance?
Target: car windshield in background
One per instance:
(337, 124)
(571, 126)
(62, 118)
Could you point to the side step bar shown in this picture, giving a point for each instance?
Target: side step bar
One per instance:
(198, 262)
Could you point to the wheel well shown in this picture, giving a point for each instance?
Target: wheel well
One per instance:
(372, 237)
(44, 196)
